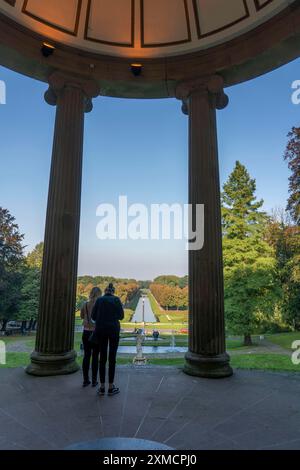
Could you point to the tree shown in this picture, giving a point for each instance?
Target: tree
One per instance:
(284, 237)
(11, 249)
(11, 259)
(292, 290)
(126, 289)
(170, 297)
(10, 295)
(171, 280)
(292, 156)
(30, 292)
(240, 209)
(34, 259)
(251, 291)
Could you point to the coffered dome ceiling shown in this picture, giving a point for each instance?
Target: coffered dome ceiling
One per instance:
(141, 28)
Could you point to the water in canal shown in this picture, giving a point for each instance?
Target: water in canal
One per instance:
(149, 316)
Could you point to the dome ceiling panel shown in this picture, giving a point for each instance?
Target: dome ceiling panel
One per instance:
(215, 16)
(164, 22)
(64, 15)
(141, 28)
(261, 3)
(110, 22)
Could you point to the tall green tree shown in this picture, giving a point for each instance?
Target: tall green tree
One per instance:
(240, 208)
(284, 236)
(251, 287)
(251, 290)
(11, 260)
(30, 291)
(34, 259)
(292, 156)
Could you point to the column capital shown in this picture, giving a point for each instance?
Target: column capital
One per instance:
(59, 81)
(212, 85)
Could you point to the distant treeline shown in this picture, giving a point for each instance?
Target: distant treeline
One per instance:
(172, 281)
(171, 292)
(126, 289)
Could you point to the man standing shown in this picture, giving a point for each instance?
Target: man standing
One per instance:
(107, 313)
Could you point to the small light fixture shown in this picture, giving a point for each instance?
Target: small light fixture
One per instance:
(47, 49)
(136, 69)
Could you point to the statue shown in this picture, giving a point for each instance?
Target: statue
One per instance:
(139, 359)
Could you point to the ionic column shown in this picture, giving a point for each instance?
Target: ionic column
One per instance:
(54, 353)
(206, 356)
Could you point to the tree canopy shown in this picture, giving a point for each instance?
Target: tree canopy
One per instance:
(240, 209)
(34, 259)
(292, 156)
(11, 259)
(249, 262)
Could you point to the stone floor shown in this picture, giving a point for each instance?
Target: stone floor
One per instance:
(251, 410)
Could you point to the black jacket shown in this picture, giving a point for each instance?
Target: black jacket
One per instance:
(107, 313)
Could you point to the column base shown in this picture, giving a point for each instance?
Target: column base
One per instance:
(214, 367)
(45, 365)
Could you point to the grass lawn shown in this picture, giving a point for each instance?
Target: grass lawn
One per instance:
(271, 362)
(284, 340)
(165, 340)
(262, 361)
(16, 360)
(181, 340)
(128, 314)
(275, 362)
(133, 302)
(169, 317)
(236, 344)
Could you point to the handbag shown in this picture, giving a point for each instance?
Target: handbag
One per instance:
(94, 338)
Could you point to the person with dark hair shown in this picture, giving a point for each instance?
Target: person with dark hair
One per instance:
(107, 313)
(90, 350)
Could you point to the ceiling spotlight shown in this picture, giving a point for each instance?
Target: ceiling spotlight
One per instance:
(136, 69)
(47, 49)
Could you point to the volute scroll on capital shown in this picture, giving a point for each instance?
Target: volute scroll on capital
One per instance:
(59, 81)
(213, 85)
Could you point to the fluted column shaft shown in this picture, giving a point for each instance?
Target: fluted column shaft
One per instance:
(206, 356)
(54, 352)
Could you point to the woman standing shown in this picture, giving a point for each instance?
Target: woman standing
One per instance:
(90, 349)
(107, 313)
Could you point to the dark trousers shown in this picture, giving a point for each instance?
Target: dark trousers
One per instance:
(109, 338)
(90, 351)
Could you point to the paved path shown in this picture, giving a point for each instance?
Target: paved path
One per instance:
(275, 348)
(138, 314)
(19, 346)
(262, 347)
(251, 410)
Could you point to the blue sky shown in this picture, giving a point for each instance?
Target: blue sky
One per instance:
(138, 148)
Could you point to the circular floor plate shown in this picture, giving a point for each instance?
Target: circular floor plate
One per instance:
(119, 443)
